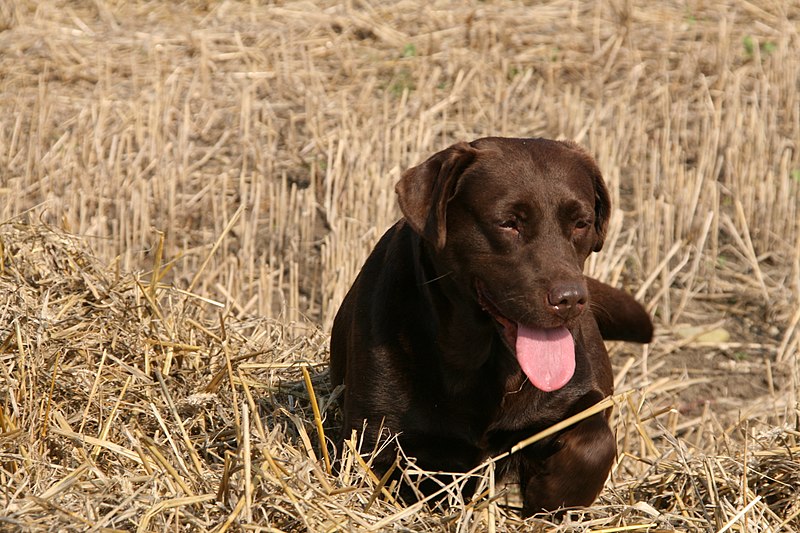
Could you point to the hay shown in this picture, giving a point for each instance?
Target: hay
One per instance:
(187, 191)
(120, 414)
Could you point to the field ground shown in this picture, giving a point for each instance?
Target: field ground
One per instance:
(188, 189)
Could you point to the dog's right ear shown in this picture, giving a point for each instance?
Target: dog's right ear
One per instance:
(424, 191)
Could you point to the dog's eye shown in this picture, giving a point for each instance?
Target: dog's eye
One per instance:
(510, 224)
(581, 224)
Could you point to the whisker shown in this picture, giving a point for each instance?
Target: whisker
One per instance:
(437, 278)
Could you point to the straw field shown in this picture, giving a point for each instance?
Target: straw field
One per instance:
(188, 189)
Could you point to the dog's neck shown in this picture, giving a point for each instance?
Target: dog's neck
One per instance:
(464, 352)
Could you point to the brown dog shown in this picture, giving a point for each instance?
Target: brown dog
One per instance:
(472, 327)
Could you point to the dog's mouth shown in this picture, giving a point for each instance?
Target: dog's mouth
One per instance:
(546, 355)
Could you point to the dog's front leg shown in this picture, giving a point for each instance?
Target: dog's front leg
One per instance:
(572, 471)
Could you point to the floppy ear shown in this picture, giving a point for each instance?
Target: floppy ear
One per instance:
(602, 202)
(602, 209)
(424, 190)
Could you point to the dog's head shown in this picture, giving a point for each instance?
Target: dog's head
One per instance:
(513, 221)
(425, 190)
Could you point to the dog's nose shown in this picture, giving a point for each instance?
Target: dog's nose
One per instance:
(567, 298)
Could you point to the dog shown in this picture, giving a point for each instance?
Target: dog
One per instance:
(472, 327)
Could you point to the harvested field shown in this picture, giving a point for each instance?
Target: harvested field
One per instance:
(187, 191)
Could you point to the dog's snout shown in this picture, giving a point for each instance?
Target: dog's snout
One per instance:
(567, 299)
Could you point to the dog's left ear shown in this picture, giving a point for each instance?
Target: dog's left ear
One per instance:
(602, 202)
(424, 190)
(602, 209)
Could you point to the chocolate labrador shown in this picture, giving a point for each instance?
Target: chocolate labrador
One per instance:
(471, 325)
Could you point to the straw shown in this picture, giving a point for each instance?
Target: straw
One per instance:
(187, 193)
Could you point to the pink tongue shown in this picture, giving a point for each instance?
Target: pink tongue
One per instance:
(547, 356)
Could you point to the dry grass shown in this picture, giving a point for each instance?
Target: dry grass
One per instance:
(187, 191)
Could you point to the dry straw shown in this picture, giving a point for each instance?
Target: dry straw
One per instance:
(188, 189)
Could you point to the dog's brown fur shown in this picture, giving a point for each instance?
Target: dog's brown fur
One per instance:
(496, 232)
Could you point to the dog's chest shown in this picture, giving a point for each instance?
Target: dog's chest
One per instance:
(522, 407)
